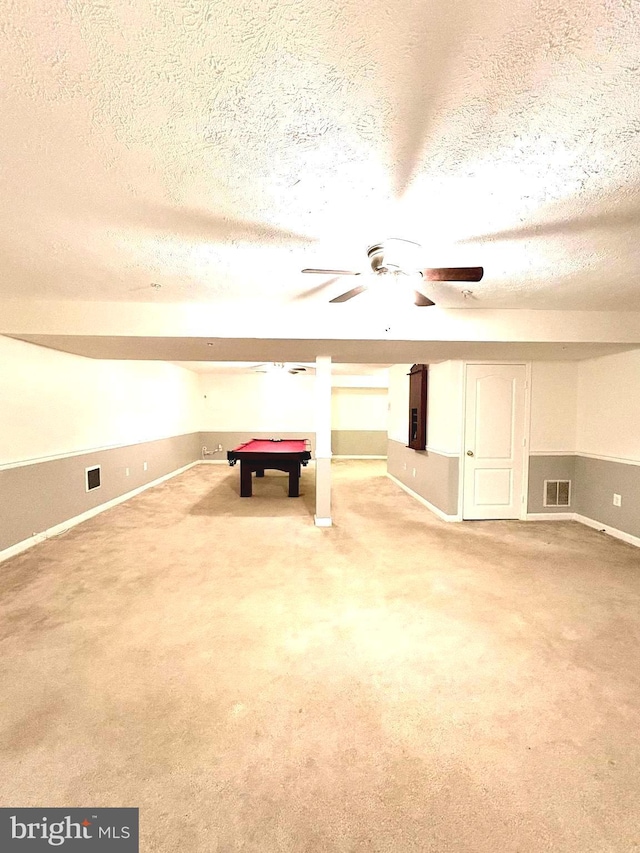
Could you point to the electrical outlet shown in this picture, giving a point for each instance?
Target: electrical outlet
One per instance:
(617, 499)
(144, 466)
(404, 465)
(413, 472)
(126, 472)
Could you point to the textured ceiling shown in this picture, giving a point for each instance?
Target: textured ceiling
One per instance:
(215, 149)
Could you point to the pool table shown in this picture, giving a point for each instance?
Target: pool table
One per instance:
(283, 454)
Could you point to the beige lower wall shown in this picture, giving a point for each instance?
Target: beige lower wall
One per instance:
(41, 495)
(596, 482)
(593, 484)
(550, 467)
(358, 442)
(436, 476)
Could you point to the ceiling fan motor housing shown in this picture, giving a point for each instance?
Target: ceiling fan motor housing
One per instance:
(394, 255)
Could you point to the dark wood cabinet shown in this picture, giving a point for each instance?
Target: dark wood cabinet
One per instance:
(418, 387)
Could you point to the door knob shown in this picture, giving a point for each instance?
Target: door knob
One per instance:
(469, 452)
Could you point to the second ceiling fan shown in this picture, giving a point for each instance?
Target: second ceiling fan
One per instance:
(399, 258)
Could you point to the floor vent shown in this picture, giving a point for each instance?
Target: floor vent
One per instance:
(92, 476)
(557, 493)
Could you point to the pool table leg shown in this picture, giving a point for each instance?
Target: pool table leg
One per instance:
(245, 480)
(294, 481)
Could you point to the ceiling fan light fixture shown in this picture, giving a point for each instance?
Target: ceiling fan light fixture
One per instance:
(279, 367)
(394, 255)
(270, 367)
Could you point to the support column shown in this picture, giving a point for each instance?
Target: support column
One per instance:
(323, 441)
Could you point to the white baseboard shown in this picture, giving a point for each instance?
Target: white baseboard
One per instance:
(320, 521)
(550, 516)
(612, 531)
(588, 522)
(434, 509)
(57, 529)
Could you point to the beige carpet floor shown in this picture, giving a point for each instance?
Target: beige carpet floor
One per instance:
(394, 683)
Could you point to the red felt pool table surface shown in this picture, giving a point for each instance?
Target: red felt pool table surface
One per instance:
(259, 445)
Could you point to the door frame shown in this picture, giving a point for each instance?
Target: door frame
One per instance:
(527, 432)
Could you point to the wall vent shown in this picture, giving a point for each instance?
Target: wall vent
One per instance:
(557, 493)
(92, 478)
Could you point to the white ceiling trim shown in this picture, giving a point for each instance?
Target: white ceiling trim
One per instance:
(336, 322)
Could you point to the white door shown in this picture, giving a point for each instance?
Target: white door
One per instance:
(494, 451)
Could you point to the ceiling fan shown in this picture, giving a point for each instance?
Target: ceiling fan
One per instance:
(399, 258)
(280, 367)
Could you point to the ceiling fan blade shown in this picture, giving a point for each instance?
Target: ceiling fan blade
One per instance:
(331, 272)
(453, 274)
(312, 291)
(421, 300)
(349, 294)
